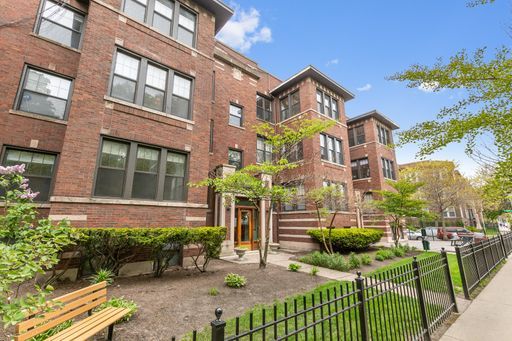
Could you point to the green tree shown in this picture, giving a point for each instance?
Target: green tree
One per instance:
(262, 184)
(28, 247)
(400, 204)
(486, 108)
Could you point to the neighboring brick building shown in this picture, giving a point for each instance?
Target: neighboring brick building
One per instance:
(115, 105)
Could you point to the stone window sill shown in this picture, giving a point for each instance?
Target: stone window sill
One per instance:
(37, 117)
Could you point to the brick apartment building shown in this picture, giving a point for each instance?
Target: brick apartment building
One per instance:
(115, 105)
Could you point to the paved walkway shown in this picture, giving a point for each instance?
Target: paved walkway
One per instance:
(282, 258)
(489, 316)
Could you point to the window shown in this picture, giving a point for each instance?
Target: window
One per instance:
(368, 197)
(294, 153)
(290, 105)
(298, 203)
(263, 150)
(360, 169)
(235, 158)
(235, 115)
(384, 134)
(212, 126)
(331, 149)
(44, 94)
(327, 105)
(338, 200)
(186, 26)
(130, 170)
(166, 16)
(133, 75)
(356, 136)
(264, 109)
(60, 23)
(388, 169)
(39, 169)
(450, 213)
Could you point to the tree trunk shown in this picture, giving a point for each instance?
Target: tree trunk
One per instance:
(263, 258)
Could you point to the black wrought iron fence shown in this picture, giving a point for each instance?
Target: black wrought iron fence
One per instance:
(405, 303)
(477, 260)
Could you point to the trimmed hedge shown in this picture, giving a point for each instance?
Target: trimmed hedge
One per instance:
(111, 248)
(352, 239)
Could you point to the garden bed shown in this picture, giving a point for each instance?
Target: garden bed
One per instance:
(180, 301)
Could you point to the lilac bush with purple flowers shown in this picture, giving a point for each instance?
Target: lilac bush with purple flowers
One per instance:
(28, 246)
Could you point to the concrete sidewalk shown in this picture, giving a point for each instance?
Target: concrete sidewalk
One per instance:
(489, 317)
(282, 258)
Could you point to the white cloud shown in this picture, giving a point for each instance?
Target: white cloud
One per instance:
(243, 30)
(428, 86)
(334, 61)
(366, 87)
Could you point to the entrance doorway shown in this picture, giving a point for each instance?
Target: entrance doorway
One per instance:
(244, 227)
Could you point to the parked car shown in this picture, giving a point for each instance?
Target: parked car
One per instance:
(457, 232)
(431, 232)
(413, 235)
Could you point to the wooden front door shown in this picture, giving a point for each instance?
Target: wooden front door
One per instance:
(244, 228)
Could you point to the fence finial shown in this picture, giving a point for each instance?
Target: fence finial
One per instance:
(358, 274)
(218, 313)
(415, 258)
(442, 249)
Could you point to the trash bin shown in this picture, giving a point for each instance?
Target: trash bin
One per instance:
(426, 244)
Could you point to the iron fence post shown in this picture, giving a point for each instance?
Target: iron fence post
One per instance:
(421, 298)
(362, 307)
(502, 242)
(463, 273)
(474, 261)
(218, 326)
(449, 279)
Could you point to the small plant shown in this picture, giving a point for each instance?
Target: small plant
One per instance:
(294, 267)
(334, 261)
(213, 292)
(366, 259)
(398, 251)
(235, 281)
(353, 261)
(52, 331)
(314, 271)
(385, 254)
(103, 275)
(380, 258)
(120, 302)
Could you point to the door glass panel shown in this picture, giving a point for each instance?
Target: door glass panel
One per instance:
(245, 226)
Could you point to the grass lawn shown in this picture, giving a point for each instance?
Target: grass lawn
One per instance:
(389, 314)
(491, 231)
(452, 263)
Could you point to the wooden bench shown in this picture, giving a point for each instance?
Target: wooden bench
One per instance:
(69, 307)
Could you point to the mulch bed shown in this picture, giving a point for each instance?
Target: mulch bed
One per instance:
(179, 302)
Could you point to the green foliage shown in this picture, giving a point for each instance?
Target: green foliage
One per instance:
(366, 259)
(353, 239)
(353, 261)
(333, 261)
(111, 248)
(398, 251)
(401, 203)
(28, 247)
(235, 281)
(293, 267)
(120, 302)
(50, 332)
(213, 292)
(384, 254)
(314, 271)
(103, 275)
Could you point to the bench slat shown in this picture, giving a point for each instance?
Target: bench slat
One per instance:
(89, 327)
(89, 300)
(57, 321)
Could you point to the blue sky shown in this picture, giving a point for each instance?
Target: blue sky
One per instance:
(360, 43)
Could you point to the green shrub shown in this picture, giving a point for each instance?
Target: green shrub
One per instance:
(235, 281)
(385, 254)
(398, 251)
(334, 261)
(103, 275)
(343, 239)
(213, 292)
(353, 261)
(111, 248)
(472, 229)
(380, 258)
(50, 332)
(120, 302)
(366, 259)
(314, 271)
(294, 267)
